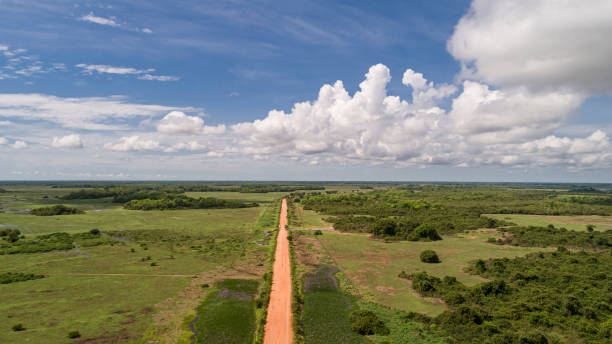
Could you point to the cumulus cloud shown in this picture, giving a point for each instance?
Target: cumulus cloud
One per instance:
(146, 30)
(19, 144)
(510, 115)
(134, 144)
(177, 122)
(92, 18)
(189, 146)
(484, 126)
(3, 141)
(91, 113)
(68, 141)
(546, 44)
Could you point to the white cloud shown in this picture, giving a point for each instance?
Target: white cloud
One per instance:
(158, 77)
(177, 122)
(484, 127)
(146, 30)
(189, 146)
(68, 141)
(106, 69)
(3, 141)
(489, 116)
(91, 113)
(546, 44)
(142, 74)
(134, 144)
(19, 144)
(5, 123)
(92, 18)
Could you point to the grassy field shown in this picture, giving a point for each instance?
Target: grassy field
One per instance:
(213, 221)
(576, 223)
(309, 218)
(104, 309)
(372, 265)
(143, 283)
(227, 315)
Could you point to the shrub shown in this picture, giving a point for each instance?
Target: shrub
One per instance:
(204, 286)
(18, 327)
(367, 323)
(58, 209)
(428, 232)
(94, 231)
(318, 232)
(12, 277)
(74, 334)
(429, 256)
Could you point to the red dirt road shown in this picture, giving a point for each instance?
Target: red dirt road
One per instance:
(279, 319)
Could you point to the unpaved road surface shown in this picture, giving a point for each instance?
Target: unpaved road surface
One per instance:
(279, 319)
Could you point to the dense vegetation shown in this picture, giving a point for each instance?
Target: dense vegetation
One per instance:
(227, 315)
(540, 298)
(55, 242)
(12, 277)
(551, 236)
(327, 311)
(396, 213)
(58, 209)
(184, 202)
(122, 194)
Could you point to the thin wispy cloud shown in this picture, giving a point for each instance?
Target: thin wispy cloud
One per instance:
(92, 18)
(142, 74)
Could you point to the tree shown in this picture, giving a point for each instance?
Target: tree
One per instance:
(429, 256)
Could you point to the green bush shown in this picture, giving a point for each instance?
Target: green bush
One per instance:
(74, 334)
(58, 209)
(367, 323)
(318, 232)
(429, 256)
(12, 277)
(18, 327)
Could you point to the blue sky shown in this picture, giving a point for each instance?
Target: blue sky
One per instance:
(87, 89)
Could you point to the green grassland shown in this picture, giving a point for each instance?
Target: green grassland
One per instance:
(103, 308)
(373, 265)
(213, 221)
(109, 292)
(307, 218)
(576, 222)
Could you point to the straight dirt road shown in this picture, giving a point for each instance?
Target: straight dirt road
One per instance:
(279, 319)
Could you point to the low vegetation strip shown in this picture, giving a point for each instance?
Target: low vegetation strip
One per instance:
(227, 315)
(13, 277)
(184, 202)
(54, 242)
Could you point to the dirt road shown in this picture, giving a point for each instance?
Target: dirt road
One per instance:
(279, 320)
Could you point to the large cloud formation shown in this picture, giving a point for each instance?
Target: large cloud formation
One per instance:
(527, 66)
